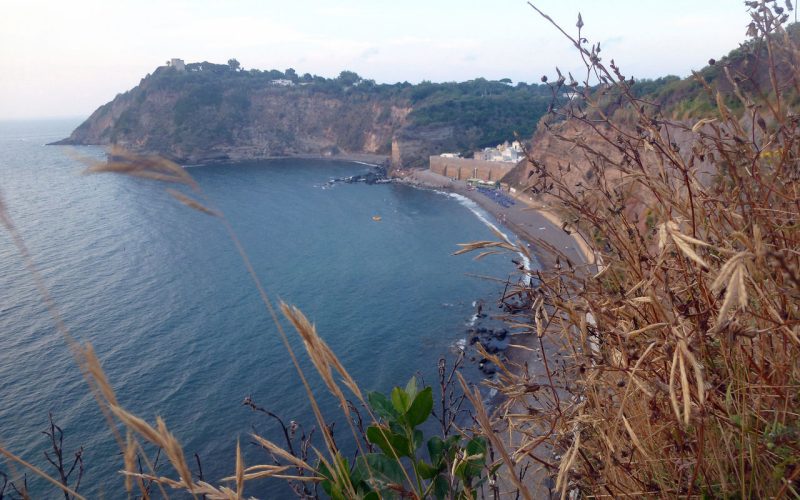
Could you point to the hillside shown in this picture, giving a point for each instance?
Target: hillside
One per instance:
(204, 112)
(603, 112)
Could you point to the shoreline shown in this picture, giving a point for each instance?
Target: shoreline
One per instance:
(541, 230)
(369, 158)
(365, 158)
(531, 224)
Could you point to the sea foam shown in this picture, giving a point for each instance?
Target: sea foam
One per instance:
(484, 217)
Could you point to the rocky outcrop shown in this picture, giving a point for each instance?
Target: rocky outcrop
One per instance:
(412, 146)
(206, 112)
(208, 123)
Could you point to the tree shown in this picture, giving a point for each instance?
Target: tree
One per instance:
(291, 74)
(234, 64)
(349, 77)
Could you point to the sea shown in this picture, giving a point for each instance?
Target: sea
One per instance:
(163, 296)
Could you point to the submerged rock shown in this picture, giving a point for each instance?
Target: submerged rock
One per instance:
(487, 367)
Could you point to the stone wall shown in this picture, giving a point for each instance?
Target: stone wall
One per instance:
(411, 147)
(463, 169)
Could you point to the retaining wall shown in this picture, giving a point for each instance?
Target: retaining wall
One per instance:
(463, 169)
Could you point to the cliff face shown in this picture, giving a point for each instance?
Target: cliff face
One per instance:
(561, 142)
(209, 112)
(212, 122)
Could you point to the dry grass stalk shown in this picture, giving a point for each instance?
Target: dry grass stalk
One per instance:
(283, 454)
(682, 361)
(486, 426)
(239, 471)
(129, 461)
(121, 161)
(159, 169)
(321, 355)
(39, 472)
(722, 204)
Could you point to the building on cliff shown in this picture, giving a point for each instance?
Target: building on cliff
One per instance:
(502, 152)
(282, 82)
(176, 63)
(488, 164)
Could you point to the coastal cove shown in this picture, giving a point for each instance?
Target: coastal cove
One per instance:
(395, 251)
(160, 293)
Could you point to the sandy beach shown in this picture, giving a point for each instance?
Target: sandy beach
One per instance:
(541, 231)
(538, 229)
(534, 226)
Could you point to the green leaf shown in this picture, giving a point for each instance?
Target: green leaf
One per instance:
(344, 463)
(397, 428)
(372, 496)
(417, 439)
(360, 476)
(436, 449)
(427, 471)
(451, 446)
(400, 400)
(420, 409)
(337, 494)
(411, 388)
(326, 485)
(476, 445)
(324, 472)
(440, 487)
(383, 468)
(472, 470)
(459, 471)
(474, 467)
(331, 484)
(381, 405)
(391, 444)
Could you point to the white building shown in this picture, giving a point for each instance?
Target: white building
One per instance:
(178, 64)
(282, 82)
(502, 152)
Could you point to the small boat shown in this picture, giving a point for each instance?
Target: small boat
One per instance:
(376, 218)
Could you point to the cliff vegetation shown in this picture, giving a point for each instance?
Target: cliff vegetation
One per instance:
(204, 111)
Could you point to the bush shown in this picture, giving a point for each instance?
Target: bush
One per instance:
(684, 341)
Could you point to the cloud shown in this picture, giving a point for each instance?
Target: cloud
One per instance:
(612, 42)
(370, 53)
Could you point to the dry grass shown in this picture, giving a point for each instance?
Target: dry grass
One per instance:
(684, 350)
(682, 375)
(136, 428)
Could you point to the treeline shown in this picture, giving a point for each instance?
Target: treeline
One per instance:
(483, 112)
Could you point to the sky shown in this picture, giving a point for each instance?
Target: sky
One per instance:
(66, 58)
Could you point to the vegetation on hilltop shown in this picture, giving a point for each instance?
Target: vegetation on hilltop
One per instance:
(685, 98)
(208, 111)
(679, 369)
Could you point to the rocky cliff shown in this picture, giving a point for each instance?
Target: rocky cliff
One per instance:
(206, 112)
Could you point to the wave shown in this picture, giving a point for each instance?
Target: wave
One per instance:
(484, 217)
